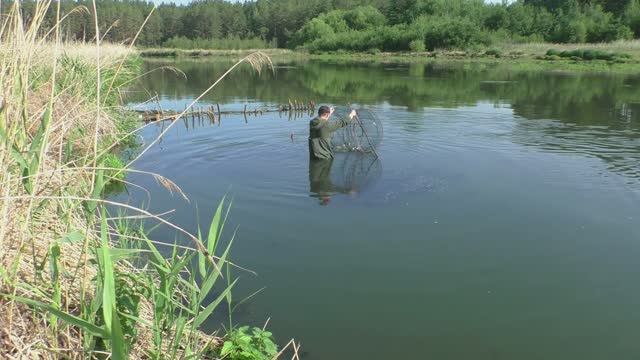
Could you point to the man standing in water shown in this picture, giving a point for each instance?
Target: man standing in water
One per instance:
(321, 130)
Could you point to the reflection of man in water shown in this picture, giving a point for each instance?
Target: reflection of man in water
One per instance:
(320, 183)
(321, 130)
(321, 154)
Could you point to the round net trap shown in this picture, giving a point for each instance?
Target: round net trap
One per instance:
(355, 171)
(363, 134)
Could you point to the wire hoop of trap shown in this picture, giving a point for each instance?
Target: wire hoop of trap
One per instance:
(364, 133)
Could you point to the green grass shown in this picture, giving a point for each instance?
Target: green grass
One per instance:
(175, 291)
(522, 63)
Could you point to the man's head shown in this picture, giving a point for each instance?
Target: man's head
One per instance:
(324, 112)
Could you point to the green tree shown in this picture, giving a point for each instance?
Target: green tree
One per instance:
(314, 29)
(401, 11)
(631, 17)
(345, 24)
(364, 17)
(152, 31)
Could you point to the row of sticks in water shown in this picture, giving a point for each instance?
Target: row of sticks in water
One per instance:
(215, 114)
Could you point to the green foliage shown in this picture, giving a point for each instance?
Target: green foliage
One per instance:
(631, 17)
(526, 20)
(494, 52)
(336, 20)
(78, 77)
(126, 125)
(364, 17)
(401, 11)
(602, 26)
(107, 287)
(585, 54)
(28, 158)
(314, 29)
(70, 319)
(578, 53)
(448, 33)
(113, 167)
(231, 43)
(181, 301)
(294, 23)
(553, 52)
(243, 344)
(590, 23)
(339, 21)
(417, 46)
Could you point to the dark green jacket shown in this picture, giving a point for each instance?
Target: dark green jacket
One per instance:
(320, 132)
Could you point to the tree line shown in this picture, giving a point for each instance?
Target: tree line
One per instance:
(352, 25)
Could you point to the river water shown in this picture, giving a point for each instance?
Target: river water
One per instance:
(502, 220)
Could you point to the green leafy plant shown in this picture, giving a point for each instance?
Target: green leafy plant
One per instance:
(249, 344)
(113, 165)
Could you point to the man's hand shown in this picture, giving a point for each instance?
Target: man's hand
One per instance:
(352, 114)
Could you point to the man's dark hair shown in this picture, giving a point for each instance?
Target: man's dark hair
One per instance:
(322, 110)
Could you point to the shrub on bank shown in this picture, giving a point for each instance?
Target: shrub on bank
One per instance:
(431, 32)
(493, 52)
(586, 54)
(462, 24)
(417, 46)
(448, 33)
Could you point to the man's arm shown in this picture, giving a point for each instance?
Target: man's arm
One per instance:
(337, 124)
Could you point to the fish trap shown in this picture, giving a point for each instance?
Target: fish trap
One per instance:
(363, 133)
(355, 171)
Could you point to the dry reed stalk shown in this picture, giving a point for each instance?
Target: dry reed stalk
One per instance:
(29, 225)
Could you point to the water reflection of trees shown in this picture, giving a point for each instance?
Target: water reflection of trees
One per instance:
(598, 115)
(576, 98)
(619, 149)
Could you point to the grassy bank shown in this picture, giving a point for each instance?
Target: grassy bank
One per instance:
(171, 52)
(80, 276)
(620, 56)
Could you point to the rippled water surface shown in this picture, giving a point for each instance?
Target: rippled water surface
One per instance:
(501, 222)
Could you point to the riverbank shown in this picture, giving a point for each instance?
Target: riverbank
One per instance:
(60, 125)
(196, 53)
(621, 56)
(68, 286)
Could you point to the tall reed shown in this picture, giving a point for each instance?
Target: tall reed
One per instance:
(75, 281)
